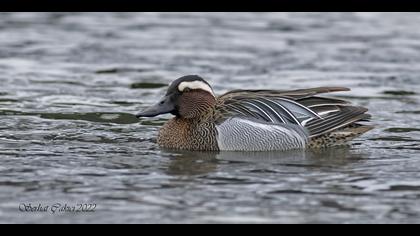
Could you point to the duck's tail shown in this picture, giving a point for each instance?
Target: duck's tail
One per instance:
(339, 136)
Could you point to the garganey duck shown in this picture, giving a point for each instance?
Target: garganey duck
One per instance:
(254, 120)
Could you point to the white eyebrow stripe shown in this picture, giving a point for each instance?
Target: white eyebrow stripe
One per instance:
(195, 85)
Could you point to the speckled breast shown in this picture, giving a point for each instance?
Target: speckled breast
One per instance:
(185, 134)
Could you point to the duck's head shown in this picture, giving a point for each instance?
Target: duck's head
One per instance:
(187, 97)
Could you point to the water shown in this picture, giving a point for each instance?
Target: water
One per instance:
(70, 84)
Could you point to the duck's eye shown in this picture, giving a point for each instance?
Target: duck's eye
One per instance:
(186, 90)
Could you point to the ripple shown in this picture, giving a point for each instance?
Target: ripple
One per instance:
(395, 138)
(104, 117)
(408, 112)
(404, 188)
(401, 130)
(65, 82)
(153, 123)
(124, 103)
(399, 93)
(120, 70)
(8, 100)
(144, 85)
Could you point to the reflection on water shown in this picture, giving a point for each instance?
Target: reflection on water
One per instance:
(71, 82)
(192, 163)
(200, 163)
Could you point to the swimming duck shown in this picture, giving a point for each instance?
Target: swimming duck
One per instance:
(254, 120)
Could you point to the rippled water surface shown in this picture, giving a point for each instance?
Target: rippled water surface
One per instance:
(70, 84)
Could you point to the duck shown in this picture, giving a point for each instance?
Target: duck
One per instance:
(254, 120)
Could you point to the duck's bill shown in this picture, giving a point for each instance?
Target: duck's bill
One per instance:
(163, 107)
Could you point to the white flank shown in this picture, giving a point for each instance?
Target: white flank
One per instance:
(237, 134)
(195, 85)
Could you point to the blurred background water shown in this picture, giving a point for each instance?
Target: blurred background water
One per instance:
(71, 82)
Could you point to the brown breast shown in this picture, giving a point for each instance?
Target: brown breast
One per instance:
(188, 134)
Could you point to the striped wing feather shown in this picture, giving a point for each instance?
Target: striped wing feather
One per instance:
(319, 115)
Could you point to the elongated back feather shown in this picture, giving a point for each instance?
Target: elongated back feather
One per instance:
(344, 117)
(294, 94)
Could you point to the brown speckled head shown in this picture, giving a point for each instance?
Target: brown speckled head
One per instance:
(187, 97)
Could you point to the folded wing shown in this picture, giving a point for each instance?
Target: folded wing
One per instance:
(302, 108)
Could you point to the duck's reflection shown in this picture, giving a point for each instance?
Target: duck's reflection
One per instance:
(196, 163)
(191, 163)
